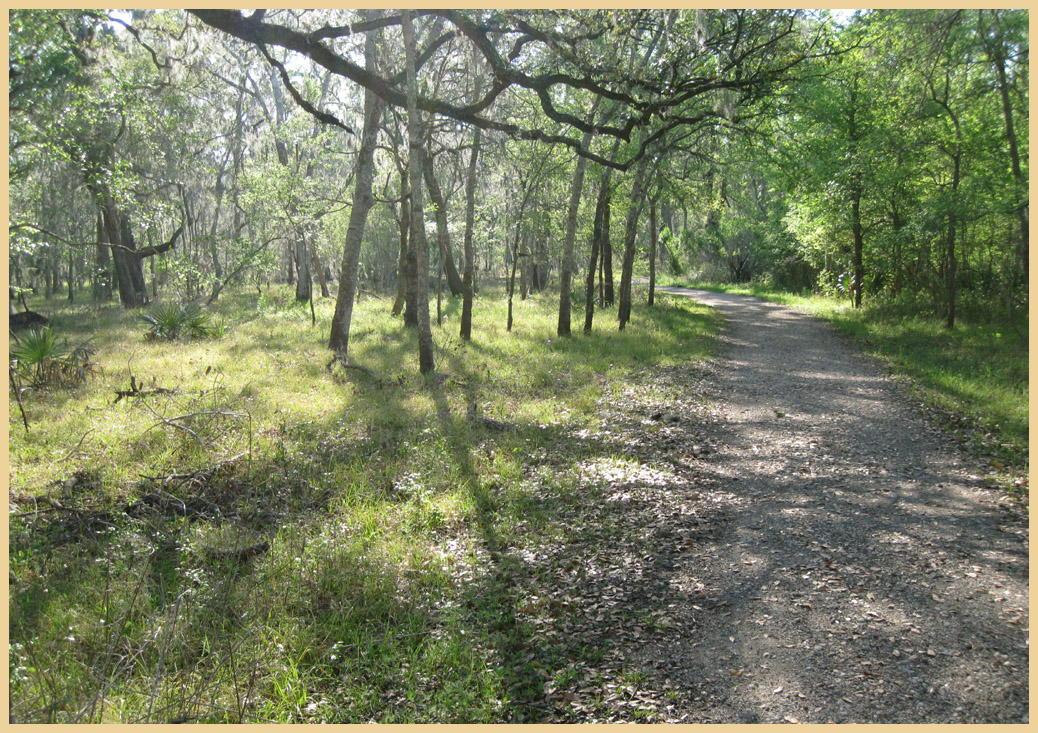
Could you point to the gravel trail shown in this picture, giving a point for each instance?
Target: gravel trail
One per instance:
(866, 576)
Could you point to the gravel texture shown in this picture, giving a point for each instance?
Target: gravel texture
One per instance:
(863, 573)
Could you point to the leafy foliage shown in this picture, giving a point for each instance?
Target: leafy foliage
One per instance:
(171, 321)
(41, 361)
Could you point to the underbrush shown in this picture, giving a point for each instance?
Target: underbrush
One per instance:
(231, 531)
(973, 379)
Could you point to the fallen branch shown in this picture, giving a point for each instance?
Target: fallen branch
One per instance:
(341, 360)
(75, 448)
(18, 397)
(136, 391)
(203, 473)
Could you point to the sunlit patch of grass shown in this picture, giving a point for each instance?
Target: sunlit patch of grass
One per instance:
(385, 520)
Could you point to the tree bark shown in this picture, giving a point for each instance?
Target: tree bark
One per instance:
(608, 296)
(304, 280)
(511, 277)
(129, 275)
(102, 279)
(856, 193)
(339, 339)
(593, 263)
(566, 264)
(419, 251)
(442, 232)
(955, 154)
(653, 235)
(630, 235)
(405, 226)
(996, 50)
(319, 269)
(470, 211)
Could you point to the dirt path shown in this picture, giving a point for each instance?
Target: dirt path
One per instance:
(866, 575)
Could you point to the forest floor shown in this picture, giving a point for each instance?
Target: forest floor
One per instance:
(831, 556)
(647, 525)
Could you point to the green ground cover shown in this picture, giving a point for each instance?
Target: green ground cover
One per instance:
(257, 537)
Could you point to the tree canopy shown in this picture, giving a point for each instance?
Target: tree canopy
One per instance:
(881, 155)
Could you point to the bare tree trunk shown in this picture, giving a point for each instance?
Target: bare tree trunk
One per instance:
(470, 209)
(856, 194)
(72, 276)
(524, 268)
(102, 279)
(405, 226)
(319, 269)
(129, 271)
(339, 340)
(997, 51)
(637, 200)
(607, 250)
(419, 253)
(653, 235)
(601, 275)
(442, 232)
(439, 292)
(511, 278)
(566, 265)
(304, 280)
(593, 264)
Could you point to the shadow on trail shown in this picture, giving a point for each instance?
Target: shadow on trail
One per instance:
(867, 577)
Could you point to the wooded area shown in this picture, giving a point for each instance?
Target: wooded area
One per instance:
(883, 156)
(363, 366)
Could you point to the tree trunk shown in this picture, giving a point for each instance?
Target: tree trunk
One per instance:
(339, 339)
(405, 224)
(213, 253)
(630, 235)
(511, 278)
(997, 51)
(566, 265)
(419, 253)
(71, 276)
(442, 231)
(102, 280)
(289, 259)
(859, 268)
(524, 270)
(951, 264)
(319, 269)
(606, 247)
(304, 281)
(653, 235)
(470, 211)
(593, 263)
(953, 216)
(856, 193)
(129, 276)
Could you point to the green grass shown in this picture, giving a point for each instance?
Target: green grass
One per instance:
(973, 378)
(394, 588)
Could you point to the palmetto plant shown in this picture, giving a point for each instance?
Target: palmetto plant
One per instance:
(170, 321)
(42, 361)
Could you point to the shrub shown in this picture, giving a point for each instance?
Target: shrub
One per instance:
(170, 321)
(41, 361)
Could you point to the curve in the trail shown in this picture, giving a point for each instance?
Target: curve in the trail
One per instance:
(867, 575)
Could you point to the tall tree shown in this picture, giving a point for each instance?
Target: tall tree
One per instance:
(418, 255)
(339, 339)
(566, 262)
